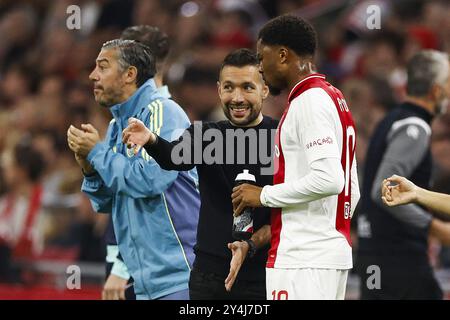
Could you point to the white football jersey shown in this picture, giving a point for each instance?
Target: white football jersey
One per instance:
(315, 143)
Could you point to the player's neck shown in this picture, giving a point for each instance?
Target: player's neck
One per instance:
(158, 80)
(128, 91)
(300, 72)
(421, 102)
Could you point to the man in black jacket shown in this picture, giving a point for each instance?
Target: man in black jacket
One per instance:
(221, 151)
(394, 240)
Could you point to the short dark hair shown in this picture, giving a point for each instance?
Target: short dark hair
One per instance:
(292, 32)
(152, 37)
(426, 68)
(240, 58)
(133, 53)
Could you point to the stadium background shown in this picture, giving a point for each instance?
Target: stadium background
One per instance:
(44, 88)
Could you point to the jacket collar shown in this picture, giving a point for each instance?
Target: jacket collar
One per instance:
(299, 84)
(422, 112)
(164, 92)
(138, 100)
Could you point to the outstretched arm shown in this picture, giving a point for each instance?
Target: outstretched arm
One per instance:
(398, 190)
(176, 155)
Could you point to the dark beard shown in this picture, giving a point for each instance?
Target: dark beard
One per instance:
(250, 118)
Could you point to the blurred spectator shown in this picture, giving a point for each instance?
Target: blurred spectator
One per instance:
(21, 216)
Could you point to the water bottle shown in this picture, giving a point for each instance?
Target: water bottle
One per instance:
(243, 224)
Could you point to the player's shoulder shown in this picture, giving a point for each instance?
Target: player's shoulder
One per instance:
(172, 110)
(313, 101)
(311, 95)
(411, 126)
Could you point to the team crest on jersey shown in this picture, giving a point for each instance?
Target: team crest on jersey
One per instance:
(130, 152)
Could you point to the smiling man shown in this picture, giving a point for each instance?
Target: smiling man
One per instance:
(218, 257)
(154, 211)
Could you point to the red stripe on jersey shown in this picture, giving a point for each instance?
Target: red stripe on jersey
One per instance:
(347, 155)
(299, 87)
(278, 177)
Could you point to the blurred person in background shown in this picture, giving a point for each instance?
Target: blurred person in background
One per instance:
(396, 238)
(147, 203)
(21, 215)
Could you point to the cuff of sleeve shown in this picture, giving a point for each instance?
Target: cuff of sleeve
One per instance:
(97, 148)
(120, 269)
(93, 177)
(263, 196)
(149, 147)
(91, 182)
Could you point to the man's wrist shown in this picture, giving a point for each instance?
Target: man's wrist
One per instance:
(153, 140)
(251, 248)
(262, 197)
(419, 194)
(88, 172)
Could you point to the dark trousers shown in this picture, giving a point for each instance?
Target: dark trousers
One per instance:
(210, 286)
(399, 281)
(129, 292)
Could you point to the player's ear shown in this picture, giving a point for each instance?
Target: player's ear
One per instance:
(283, 54)
(131, 75)
(265, 91)
(219, 89)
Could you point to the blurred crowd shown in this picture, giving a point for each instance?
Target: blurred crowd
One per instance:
(44, 87)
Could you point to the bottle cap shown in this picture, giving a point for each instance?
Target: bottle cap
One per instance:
(245, 176)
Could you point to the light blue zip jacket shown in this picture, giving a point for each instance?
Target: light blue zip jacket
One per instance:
(154, 211)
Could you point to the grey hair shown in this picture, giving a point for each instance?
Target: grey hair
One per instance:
(426, 68)
(134, 53)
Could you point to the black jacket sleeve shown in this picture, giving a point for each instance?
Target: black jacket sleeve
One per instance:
(179, 154)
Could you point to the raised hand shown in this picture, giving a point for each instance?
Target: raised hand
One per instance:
(402, 192)
(136, 135)
(82, 141)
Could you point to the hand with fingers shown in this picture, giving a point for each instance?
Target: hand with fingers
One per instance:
(245, 195)
(82, 141)
(239, 250)
(403, 192)
(74, 137)
(114, 288)
(136, 135)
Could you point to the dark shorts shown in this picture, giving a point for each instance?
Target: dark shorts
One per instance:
(398, 280)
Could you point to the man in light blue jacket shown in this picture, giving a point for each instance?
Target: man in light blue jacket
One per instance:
(155, 212)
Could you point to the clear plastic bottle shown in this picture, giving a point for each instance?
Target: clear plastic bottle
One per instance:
(243, 224)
